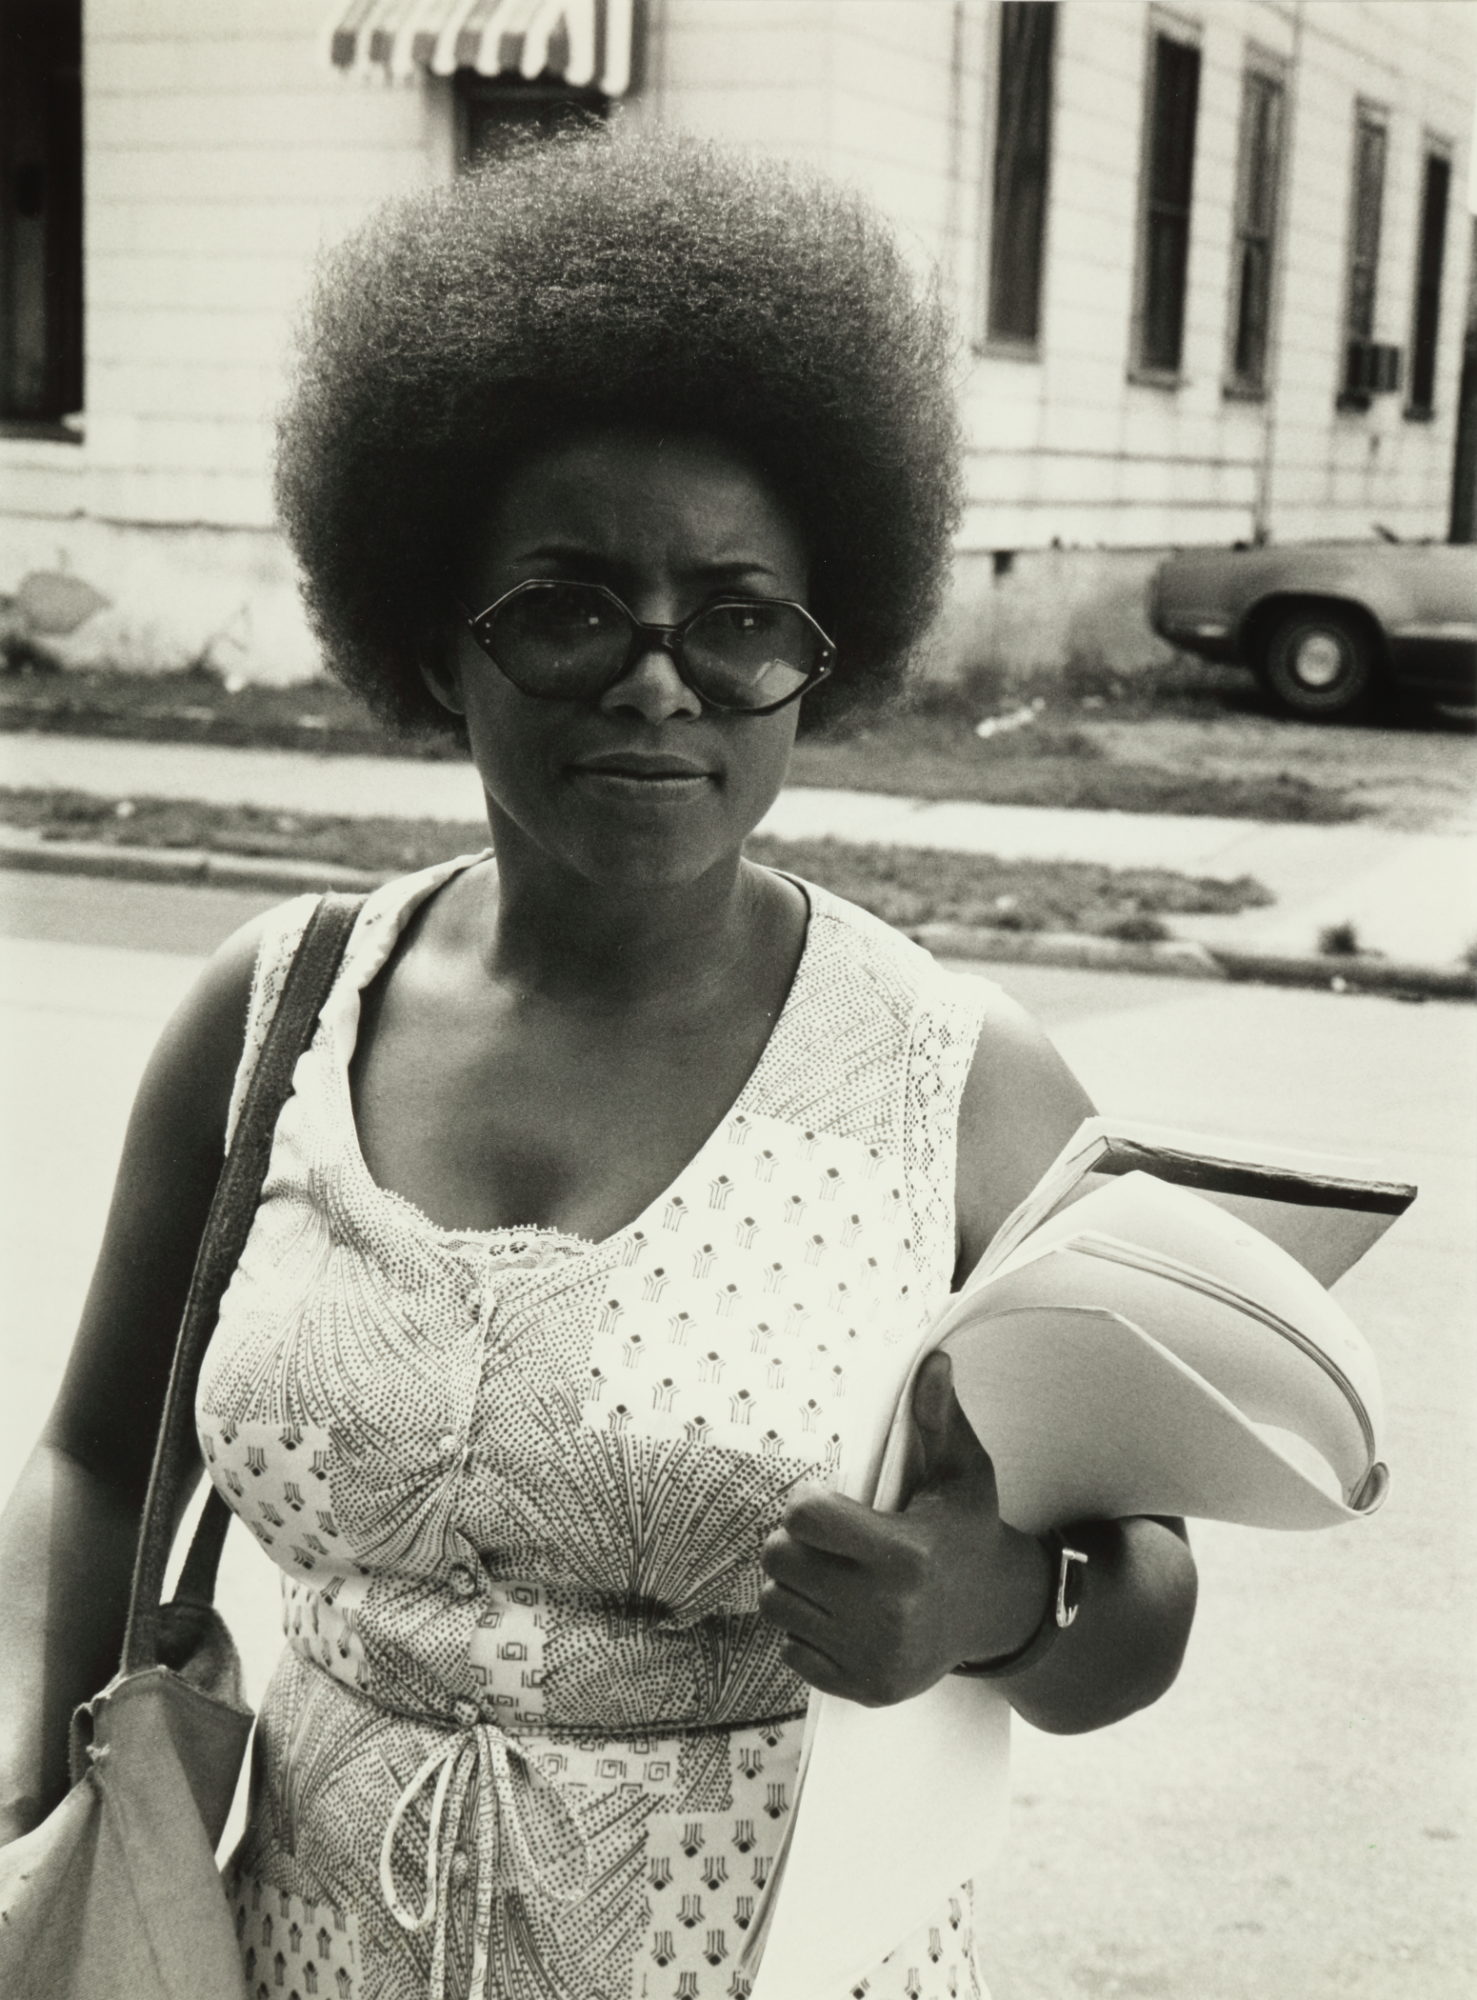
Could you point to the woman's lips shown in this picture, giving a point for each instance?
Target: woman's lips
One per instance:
(643, 777)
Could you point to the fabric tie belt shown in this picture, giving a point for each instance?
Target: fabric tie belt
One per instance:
(515, 1815)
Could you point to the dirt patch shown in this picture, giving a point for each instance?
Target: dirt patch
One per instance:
(1184, 738)
(1417, 774)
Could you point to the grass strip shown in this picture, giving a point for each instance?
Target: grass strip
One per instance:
(904, 886)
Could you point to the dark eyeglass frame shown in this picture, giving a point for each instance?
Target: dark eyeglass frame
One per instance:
(671, 639)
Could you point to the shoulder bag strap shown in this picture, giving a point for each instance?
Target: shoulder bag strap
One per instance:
(232, 1209)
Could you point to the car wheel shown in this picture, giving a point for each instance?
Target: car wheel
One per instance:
(1319, 664)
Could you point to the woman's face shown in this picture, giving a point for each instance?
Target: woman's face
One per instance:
(643, 783)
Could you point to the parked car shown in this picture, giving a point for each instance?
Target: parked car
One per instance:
(1327, 627)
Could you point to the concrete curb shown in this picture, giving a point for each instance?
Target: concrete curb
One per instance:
(1176, 958)
(1352, 974)
(22, 850)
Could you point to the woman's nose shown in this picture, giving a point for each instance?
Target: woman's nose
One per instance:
(653, 688)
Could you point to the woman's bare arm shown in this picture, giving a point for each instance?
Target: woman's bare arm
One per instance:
(68, 1533)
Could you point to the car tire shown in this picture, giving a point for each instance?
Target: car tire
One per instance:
(1320, 664)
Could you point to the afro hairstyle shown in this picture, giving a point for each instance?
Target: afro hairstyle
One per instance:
(657, 280)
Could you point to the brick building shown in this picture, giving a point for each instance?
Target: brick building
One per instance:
(1210, 263)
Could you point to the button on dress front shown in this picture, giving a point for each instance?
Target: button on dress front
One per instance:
(529, 1738)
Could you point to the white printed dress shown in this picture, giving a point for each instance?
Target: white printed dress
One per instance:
(529, 1738)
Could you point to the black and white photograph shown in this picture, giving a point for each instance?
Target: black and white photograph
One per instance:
(738, 941)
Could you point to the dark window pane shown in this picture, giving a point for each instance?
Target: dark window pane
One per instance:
(40, 208)
(1369, 190)
(1257, 183)
(1176, 93)
(1022, 160)
(1250, 357)
(1264, 146)
(1164, 310)
(1367, 199)
(498, 112)
(1434, 196)
(1169, 176)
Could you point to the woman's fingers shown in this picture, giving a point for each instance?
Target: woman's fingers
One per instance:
(835, 1587)
(816, 1667)
(783, 1605)
(833, 1525)
(845, 1624)
(797, 1615)
(804, 1569)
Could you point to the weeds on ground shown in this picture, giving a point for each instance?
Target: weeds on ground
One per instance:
(199, 705)
(1138, 927)
(1340, 941)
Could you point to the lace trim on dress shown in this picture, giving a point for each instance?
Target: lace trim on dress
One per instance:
(530, 1246)
(912, 1108)
(269, 975)
(941, 1049)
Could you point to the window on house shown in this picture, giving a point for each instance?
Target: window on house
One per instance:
(1259, 173)
(494, 112)
(1430, 254)
(1021, 167)
(1366, 202)
(40, 210)
(1168, 175)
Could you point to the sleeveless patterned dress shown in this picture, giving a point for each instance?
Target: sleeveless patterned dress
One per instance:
(529, 1738)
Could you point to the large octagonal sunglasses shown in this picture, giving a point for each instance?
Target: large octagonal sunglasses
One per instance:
(573, 641)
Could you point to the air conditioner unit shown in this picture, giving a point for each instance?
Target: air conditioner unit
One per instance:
(1372, 368)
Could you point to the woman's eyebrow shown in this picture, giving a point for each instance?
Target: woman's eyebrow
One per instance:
(555, 552)
(592, 560)
(733, 566)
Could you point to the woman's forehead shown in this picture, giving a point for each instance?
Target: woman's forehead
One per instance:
(627, 494)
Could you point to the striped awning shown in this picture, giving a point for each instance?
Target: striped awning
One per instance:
(584, 43)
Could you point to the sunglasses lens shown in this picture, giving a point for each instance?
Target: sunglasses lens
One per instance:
(751, 655)
(558, 638)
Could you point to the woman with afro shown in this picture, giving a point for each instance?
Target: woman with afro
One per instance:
(618, 1161)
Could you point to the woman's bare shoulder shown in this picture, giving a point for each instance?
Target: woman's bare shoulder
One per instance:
(192, 1071)
(171, 1158)
(1021, 1104)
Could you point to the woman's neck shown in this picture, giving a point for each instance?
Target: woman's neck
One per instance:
(598, 945)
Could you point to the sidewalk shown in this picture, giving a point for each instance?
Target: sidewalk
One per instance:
(1411, 897)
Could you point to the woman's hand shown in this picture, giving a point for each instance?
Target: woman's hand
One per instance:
(877, 1607)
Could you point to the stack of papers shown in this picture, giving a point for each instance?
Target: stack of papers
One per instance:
(1149, 1333)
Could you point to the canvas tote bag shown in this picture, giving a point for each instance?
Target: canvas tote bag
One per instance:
(116, 1895)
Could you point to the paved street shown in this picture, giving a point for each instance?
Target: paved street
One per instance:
(1294, 1822)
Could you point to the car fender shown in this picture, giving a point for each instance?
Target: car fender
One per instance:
(1376, 607)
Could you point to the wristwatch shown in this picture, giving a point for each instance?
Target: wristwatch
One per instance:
(1062, 1605)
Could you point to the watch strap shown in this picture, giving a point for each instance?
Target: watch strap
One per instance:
(1062, 1604)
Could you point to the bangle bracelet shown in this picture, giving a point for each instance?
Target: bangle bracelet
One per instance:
(1062, 1604)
